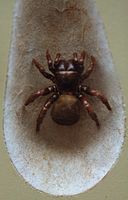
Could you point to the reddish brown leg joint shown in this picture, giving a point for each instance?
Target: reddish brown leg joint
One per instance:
(90, 68)
(39, 93)
(75, 57)
(57, 59)
(82, 57)
(42, 70)
(48, 56)
(98, 94)
(44, 110)
(89, 109)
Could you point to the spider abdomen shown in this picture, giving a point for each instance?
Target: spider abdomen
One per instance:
(66, 110)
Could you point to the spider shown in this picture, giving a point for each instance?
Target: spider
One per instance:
(68, 92)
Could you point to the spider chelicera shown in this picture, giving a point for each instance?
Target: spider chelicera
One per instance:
(68, 92)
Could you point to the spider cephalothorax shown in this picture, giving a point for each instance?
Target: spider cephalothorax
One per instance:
(68, 90)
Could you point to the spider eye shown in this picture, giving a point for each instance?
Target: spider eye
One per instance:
(61, 67)
(70, 67)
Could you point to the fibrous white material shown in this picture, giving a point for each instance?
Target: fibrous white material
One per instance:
(61, 160)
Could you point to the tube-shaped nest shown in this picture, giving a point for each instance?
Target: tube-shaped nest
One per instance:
(60, 160)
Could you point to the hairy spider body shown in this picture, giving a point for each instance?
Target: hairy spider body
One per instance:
(66, 110)
(66, 81)
(68, 90)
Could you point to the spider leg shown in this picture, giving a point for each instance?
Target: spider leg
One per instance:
(90, 68)
(57, 59)
(50, 62)
(39, 93)
(42, 70)
(82, 57)
(98, 94)
(44, 110)
(75, 57)
(89, 109)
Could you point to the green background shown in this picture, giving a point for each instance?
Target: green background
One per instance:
(115, 185)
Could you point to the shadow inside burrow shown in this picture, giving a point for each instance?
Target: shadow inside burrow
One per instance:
(57, 28)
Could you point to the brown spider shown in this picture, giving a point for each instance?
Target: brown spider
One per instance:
(68, 90)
